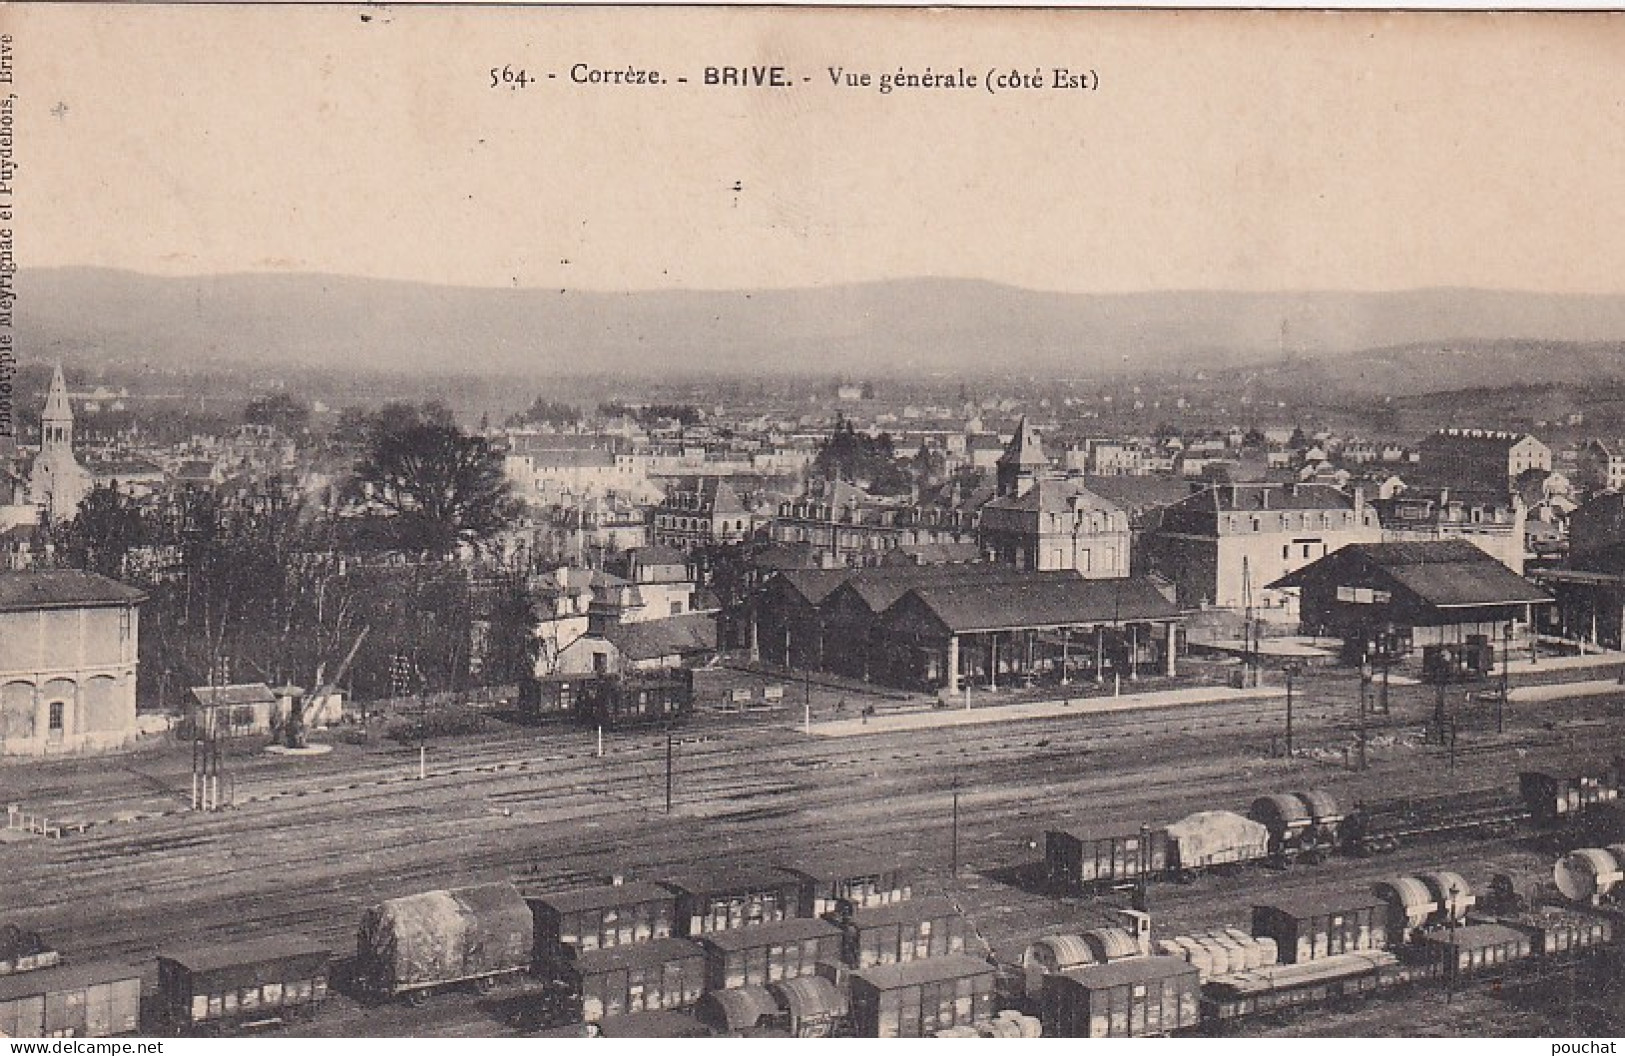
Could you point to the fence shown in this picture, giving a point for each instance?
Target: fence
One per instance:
(19, 820)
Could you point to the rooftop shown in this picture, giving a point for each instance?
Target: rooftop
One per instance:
(62, 589)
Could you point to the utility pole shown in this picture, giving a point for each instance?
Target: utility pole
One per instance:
(1365, 682)
(954, 868)
(806, 699)
(668, 770)
(1291, 670)
(1142, 880)
(1455, 954)
(1501, 701)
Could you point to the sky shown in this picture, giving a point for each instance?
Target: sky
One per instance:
(1220, 150)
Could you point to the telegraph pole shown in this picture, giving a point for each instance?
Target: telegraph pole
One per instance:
(954, 868)
(1291, 669)
(668, 770)
(1501, 701)
(1365, 682)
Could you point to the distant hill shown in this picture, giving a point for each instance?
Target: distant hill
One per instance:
(1449, 366)
(934, 326)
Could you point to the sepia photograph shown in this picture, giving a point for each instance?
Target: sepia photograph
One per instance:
(565, 522)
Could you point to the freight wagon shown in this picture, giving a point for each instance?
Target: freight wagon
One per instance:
(917, 999)
(642, 698)
(768, 953)
(1300, 824)
(1209, 839)
(901, 932)
(859, 876)
(24, 951)
(655, 976)
(813, 1006)
(1287, 987)
(600, 917)
(213, 987)
(1475, 949)
(1131, 998)
(1375, 828)
(737, 1010)
(413, 946)
(1306, 929)
(732, 896)
(1080, 860)
(76, 1001)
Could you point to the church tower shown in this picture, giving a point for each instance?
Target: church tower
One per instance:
(57, 482)
(1022, 462)
(56, 420)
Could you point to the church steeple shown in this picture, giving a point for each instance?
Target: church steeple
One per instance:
(56, 420)
(1021, 462)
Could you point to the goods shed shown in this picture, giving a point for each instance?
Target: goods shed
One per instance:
(1041, 627)
(1395, 597)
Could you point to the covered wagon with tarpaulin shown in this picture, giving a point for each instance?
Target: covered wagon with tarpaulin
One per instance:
(1215, 838)
(413, 946)
(814, 1007)
(738, 1009)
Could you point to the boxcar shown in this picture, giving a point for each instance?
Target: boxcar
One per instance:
(600, 917)
(1081, 859)
(1126, 999)
(1305, 929)
(214, 986)
(1555, 800)
(1476, 949)
(768, 953)
(903, 931)
(415, 945)
(77, 1001)
(857, 877)
(732, 896)
(659, 975)
(644, 698)
(916, 999)
(553, 697)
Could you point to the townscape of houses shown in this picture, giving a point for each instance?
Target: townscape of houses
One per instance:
(990, 542)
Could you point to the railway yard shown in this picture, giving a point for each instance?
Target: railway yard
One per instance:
(310, 842)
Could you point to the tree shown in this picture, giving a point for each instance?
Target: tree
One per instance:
(279, 410)
(858, 458)
(101, 535)
(438, 488)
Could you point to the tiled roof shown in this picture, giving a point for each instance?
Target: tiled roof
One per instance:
(1445, 573)
(62, 589)
(674, 636)
(1040, 600)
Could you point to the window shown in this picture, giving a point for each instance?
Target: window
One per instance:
(1306, 550)
(676, 608)
(57, 709)
(1286, 552)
